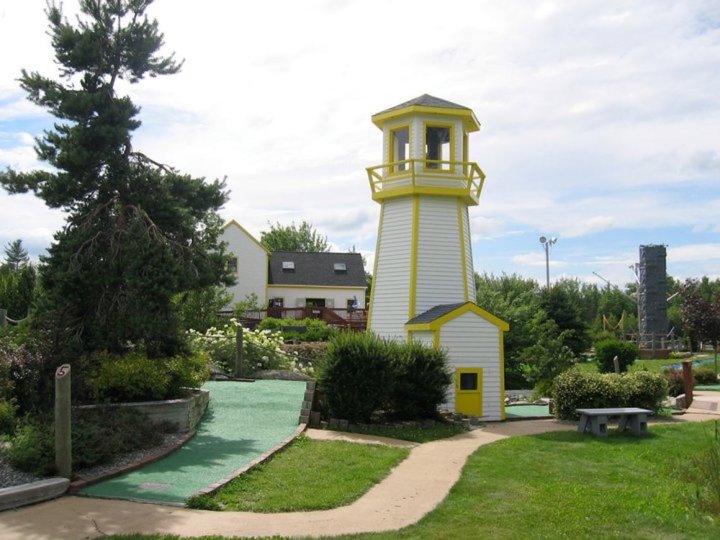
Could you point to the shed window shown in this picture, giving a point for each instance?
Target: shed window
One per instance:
(468, 381)
(288, 266)
(340, 267)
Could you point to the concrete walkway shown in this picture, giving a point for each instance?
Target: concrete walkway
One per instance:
(414, 488)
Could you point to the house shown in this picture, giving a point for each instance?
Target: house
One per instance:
(295, 284)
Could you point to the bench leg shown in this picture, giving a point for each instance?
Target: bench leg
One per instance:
(638, 424)
(623, 422)
(584, 423)
(598, 425)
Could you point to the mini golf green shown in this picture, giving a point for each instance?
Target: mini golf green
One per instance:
(243, 421)
(527, 411)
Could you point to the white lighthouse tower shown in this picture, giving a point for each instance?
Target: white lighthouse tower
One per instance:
(423, 282)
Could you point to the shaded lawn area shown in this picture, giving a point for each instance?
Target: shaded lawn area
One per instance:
(568, 485)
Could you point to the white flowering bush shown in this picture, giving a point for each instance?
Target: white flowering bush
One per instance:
(262, 349)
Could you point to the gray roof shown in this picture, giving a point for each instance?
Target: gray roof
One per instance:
(425, 100)
(435, 313)
(315, 269)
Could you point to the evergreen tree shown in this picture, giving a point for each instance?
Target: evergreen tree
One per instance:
(16, 256)
(137, 232)
(294, 238)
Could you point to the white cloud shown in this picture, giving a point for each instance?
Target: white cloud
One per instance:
(598, 119)
(694, 253)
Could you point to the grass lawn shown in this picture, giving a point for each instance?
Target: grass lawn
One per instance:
(568, 485)
(307, 475)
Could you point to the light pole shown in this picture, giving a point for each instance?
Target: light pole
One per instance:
(547, 242)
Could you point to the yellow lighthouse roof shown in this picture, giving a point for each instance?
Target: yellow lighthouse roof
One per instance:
(427, 104)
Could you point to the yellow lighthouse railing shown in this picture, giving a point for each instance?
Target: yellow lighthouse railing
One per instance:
(462, 179)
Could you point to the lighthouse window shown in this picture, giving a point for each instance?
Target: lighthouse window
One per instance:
(437, 147)
(399, 148)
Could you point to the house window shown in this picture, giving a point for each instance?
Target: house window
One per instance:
(232, 265)
(352, 303)
(340, 268)
(400, 147)
(277, 302)
(288, 266)
(437, 147)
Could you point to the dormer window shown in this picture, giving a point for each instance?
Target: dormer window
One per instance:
(340, 267)
(288, 266)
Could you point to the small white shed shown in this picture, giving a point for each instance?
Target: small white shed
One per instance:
(473, 339)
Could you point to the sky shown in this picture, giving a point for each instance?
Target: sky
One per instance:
(600, 120)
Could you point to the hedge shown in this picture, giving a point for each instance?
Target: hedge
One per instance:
(576, 389)
(607, 349)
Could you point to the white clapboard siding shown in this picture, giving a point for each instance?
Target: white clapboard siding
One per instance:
(252, 264)
(391, 284)
(472, 341)
(426, 338)
(440, 276)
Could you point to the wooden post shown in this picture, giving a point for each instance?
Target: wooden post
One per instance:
(687, 382)
(616, 362)
(238, 352)
(3, 318)
(63, 434)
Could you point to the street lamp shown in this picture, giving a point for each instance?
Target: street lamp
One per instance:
(547, 242)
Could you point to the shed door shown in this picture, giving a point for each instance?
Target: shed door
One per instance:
(468, 391)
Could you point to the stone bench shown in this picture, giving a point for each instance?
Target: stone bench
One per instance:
(596, 420)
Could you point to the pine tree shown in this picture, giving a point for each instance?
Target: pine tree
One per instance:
(138, 232)
(16, 256)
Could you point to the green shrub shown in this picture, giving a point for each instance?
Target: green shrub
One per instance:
(188, 371)
(675, 382)
(644, 389)
(576, 389)
(97, 437)
(8, 416)
(32, 448)
(356, 375)
(705, 375)
(315, 329)
(607, 349)
(420, 380)
(135, 377)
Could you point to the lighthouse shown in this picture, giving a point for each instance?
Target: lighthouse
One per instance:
(423, 280)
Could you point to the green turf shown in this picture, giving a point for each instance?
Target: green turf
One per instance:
(526, 411)
(713, 387)
(243, 421)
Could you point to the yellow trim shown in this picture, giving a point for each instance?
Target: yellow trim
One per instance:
(436, 340)
(375, 266)
(391, 157)
(340, 287)
(470, 122)
(414, 255)
(384, 187)
(243, 229)
(464, 402)
(463, 257)
(501, 347)
(465, 308)
(439, 162)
